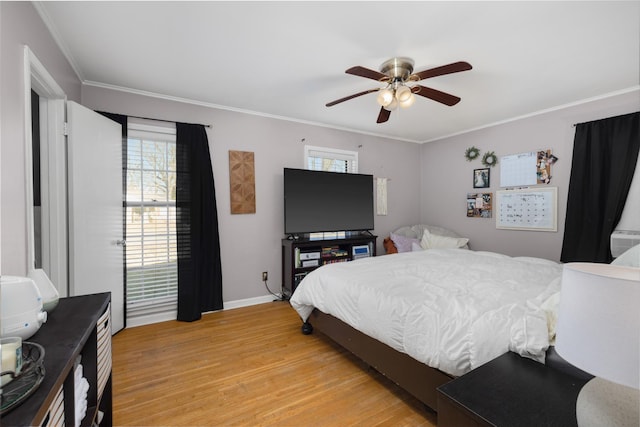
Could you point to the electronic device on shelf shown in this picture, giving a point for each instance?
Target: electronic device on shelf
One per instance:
(21, 313)
(360, 251)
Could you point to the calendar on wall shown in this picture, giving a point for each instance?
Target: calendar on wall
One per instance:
(527, 209)
(529, 168)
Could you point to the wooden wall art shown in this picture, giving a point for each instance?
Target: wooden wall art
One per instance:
(242, 178)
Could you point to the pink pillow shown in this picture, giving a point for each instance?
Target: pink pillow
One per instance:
(403, 243)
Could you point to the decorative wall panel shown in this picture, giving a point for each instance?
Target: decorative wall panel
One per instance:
(242, 178)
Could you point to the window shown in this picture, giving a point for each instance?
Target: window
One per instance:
(150, 210)
(330, 159)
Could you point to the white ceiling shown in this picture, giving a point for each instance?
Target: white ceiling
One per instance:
(287, 59)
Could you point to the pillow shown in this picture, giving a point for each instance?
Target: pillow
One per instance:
(433, 229)
(434, 241)
(403, 243)
(630, 258)
(416, 247)
(407, 231)
(389, 247)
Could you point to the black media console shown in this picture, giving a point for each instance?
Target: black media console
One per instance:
(301, 256)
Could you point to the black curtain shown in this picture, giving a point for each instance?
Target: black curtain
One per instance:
(199, 265)
(605, 153)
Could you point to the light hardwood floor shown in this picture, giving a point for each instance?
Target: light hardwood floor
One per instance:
(249, 367)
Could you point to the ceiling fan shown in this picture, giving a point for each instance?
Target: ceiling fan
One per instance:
(396, 73)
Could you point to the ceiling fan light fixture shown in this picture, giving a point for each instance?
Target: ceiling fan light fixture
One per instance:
(403, 94)
(399, 90)
(385, 97)
(409, 101)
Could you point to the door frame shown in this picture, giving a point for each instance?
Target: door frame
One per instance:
(53, 167)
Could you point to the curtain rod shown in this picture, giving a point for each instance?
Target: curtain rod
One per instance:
(167, 121)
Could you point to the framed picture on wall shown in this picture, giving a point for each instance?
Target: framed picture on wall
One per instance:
(479, 205)
(481, 178)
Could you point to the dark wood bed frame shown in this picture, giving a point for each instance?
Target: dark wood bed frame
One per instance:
(415, 377)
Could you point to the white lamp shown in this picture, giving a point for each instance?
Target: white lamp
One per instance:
(392, 105)
(598, 331)
(403, 93)
(409, 101)
(385, 97)
(394, 95)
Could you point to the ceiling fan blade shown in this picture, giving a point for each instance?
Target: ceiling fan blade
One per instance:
(367, 73)
(436, 95)
(346, 98)
(383, 116)
(456, 67)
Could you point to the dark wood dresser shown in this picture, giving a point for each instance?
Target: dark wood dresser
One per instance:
(77, 327)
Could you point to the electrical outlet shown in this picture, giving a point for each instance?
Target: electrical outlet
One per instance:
(265, 276)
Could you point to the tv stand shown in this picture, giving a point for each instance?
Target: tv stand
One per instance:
(302, 255)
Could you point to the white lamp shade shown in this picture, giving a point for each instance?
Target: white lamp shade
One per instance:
(599, 321)
(409, 101)
(385, 97)
(392, 105)
(403, 93)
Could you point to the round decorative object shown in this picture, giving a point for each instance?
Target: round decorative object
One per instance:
(27, 381)
(471, 153)
(489, 159)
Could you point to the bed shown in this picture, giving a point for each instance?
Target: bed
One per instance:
(422, 318)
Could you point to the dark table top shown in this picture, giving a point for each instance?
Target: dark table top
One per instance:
(515, 391)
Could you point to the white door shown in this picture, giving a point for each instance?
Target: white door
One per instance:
(95, 208)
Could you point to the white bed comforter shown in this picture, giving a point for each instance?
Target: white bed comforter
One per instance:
(452, 309)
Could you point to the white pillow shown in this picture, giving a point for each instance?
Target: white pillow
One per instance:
(630, 258)
(433, 241)
(416, 247)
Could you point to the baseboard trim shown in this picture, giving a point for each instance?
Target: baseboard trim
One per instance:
(169, 316)
(230, 305)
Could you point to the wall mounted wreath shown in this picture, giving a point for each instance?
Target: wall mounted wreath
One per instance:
(471, 153)
(489, 159)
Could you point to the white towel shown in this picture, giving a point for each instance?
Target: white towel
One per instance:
(381, 199)
(81, 389)
(78, 373)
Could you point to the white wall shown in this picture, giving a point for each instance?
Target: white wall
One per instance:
(250, 243)
(21, 25)
(447, 176)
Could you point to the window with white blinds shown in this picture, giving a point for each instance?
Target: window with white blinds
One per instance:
(150, 209)
(330, 159)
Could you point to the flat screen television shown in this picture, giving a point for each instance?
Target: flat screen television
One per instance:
(317, 201)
